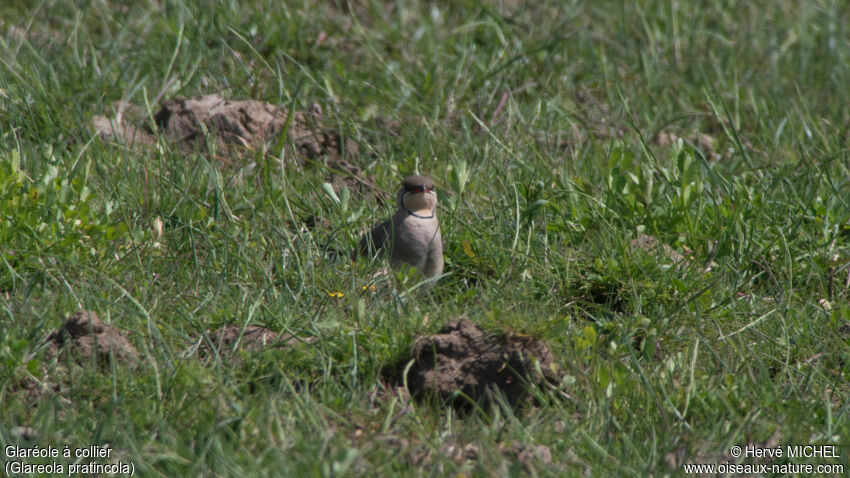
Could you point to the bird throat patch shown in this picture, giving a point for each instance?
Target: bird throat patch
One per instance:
(419, 204)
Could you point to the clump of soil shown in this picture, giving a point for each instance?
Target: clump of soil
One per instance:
(252, 338)
(84, 335)
(652, 245)
(80, 338)
(705, 141)
(123, 127)
(239, 125)
(461, 357)
(249, 123)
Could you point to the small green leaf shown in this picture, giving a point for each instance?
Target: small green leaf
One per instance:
(590, 335)
(345, 196)
(33, 368)
(532, 208)
(329, 190)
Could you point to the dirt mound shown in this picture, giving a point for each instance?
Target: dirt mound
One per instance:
(123, 128)
(238, 124)
(80, 338)
(249, 123)
(704, 141)
(652, 245)
(461, 357)
(84, 335)
(253, 338)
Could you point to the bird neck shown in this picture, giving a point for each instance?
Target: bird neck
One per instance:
(419, 205)
(421, 214)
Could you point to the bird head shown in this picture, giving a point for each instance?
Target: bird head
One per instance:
(417, 196)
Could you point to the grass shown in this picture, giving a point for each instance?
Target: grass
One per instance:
(542, 123)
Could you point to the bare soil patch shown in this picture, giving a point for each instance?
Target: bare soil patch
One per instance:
(235, 127)
(81, 339)
(651, 245)
(229, 339)
(462, 357)
(84, 335)
(249, 123)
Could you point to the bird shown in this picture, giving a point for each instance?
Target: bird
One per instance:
(412, 235)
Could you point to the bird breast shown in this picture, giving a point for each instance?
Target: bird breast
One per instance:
(414, 238)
